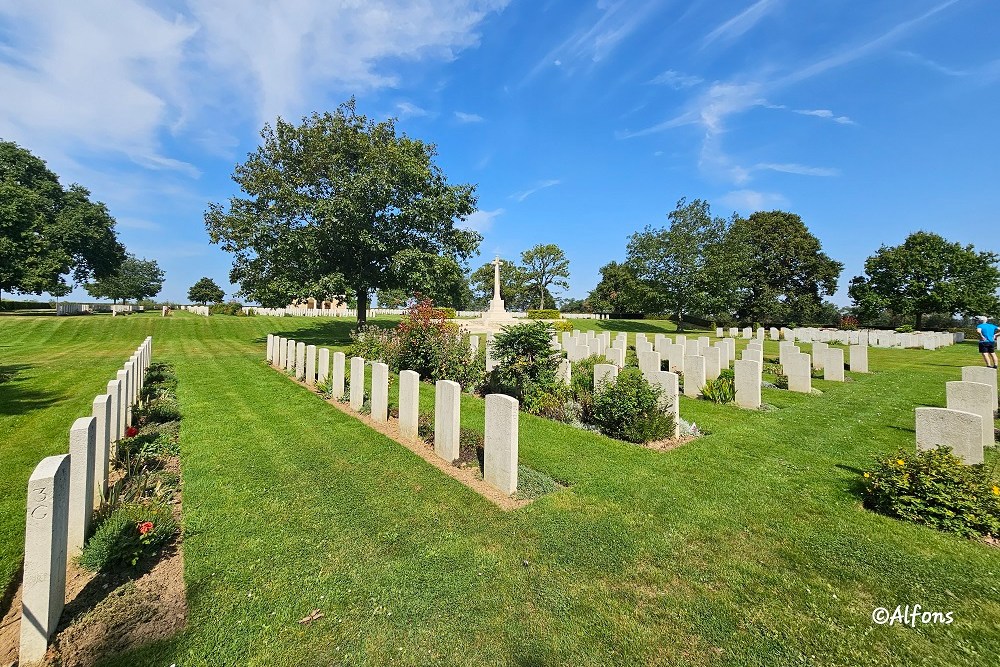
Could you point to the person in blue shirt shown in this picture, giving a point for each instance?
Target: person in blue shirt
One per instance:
(987, 341)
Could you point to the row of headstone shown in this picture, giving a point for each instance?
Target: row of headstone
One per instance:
(501, 433)
(63, 492)
(197, 310)
(966, 422)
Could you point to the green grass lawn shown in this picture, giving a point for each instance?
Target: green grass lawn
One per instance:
(745, 547)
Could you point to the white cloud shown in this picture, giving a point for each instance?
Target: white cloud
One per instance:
(746, 201)
(799, 169)
(933, 65)
(409, 110)
(742, 22)
(463, 117)
(676, 79)
(112, 78)
(521, 196)
(825, 113)
(482, 221)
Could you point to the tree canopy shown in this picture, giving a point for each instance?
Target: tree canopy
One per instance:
(206, 291)
(545, 266)
(681, 265)
(47, 232)
(329, 204)
(619, 291)
(927, 274)
(779, 269)
(440, 279)
(136, 279)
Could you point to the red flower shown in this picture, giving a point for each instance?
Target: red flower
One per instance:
(131, 432)
(145, 527)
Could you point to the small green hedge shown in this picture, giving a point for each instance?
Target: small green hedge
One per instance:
(25, 305)
(449, 313)
(543, 314)
(935, 488)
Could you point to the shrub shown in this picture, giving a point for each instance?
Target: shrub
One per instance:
(781, 381)
(448, 313)
(906, 328)
(159, 411)
(582, 384)
(26, 305)
(425, 342)
(720, 390)
(131, 533)
(628, 409)
(848, 323)
(935, 488)
(561, 326)
(556, 403)
(526, 362)
(543, 314)
(232, 308)
(150, 443)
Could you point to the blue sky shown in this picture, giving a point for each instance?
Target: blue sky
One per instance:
(580, 121)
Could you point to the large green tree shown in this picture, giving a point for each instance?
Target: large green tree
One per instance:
(545, 267)
(206, 291)
(619, 291)
(681, 265)
(440, 279)
(48, 233)
(780, 271)
(329, 204)
(136, 279)
(927, 274)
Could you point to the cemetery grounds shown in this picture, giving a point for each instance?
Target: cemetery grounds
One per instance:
(747, 546)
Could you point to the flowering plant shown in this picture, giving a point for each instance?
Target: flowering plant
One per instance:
(131, 432)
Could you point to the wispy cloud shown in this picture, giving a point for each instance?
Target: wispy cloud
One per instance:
(597, 40)
(794, 168)
(521, 196)
(742, 22)
(933, 65)
(463, 117)
(410, 110)
(825, 113)
(746, 201)
(137, 223)
(850, 54)
(676, 80)
(482, 221)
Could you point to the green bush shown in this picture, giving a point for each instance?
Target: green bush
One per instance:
(781, 381)
(158, 411)
(556, 403)
(151, 443)
(720, 390)
(561, 326)
(425, 342)
(906, 328)
(26, 305)
(628, 409)
(119, 542)
(935, 488)
(449, 313)
(544, 314)
(526, 362)
(232, 308)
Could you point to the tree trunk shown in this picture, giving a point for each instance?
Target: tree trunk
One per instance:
(918, 321)
(541, 300)
(362, 306)
(680, 320)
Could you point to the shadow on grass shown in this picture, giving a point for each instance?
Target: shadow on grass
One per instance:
(17, 401)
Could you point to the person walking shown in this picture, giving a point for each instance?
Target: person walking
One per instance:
(987, 341)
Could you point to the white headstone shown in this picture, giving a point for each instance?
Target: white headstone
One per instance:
(694, 374)
(45, 555)
(323, 369)
(984, 375)
(974, 397)
(859, 358)
(833, 365)
(380, 392)
(82, 446)
(447, 418)
(337, 378)
(102, 450)
(500, 442)
(748, 377)
(962, 431)
(310, 370)
(409, 404)
(357, 396)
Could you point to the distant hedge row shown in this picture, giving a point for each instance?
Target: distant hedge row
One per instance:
(26, 305)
